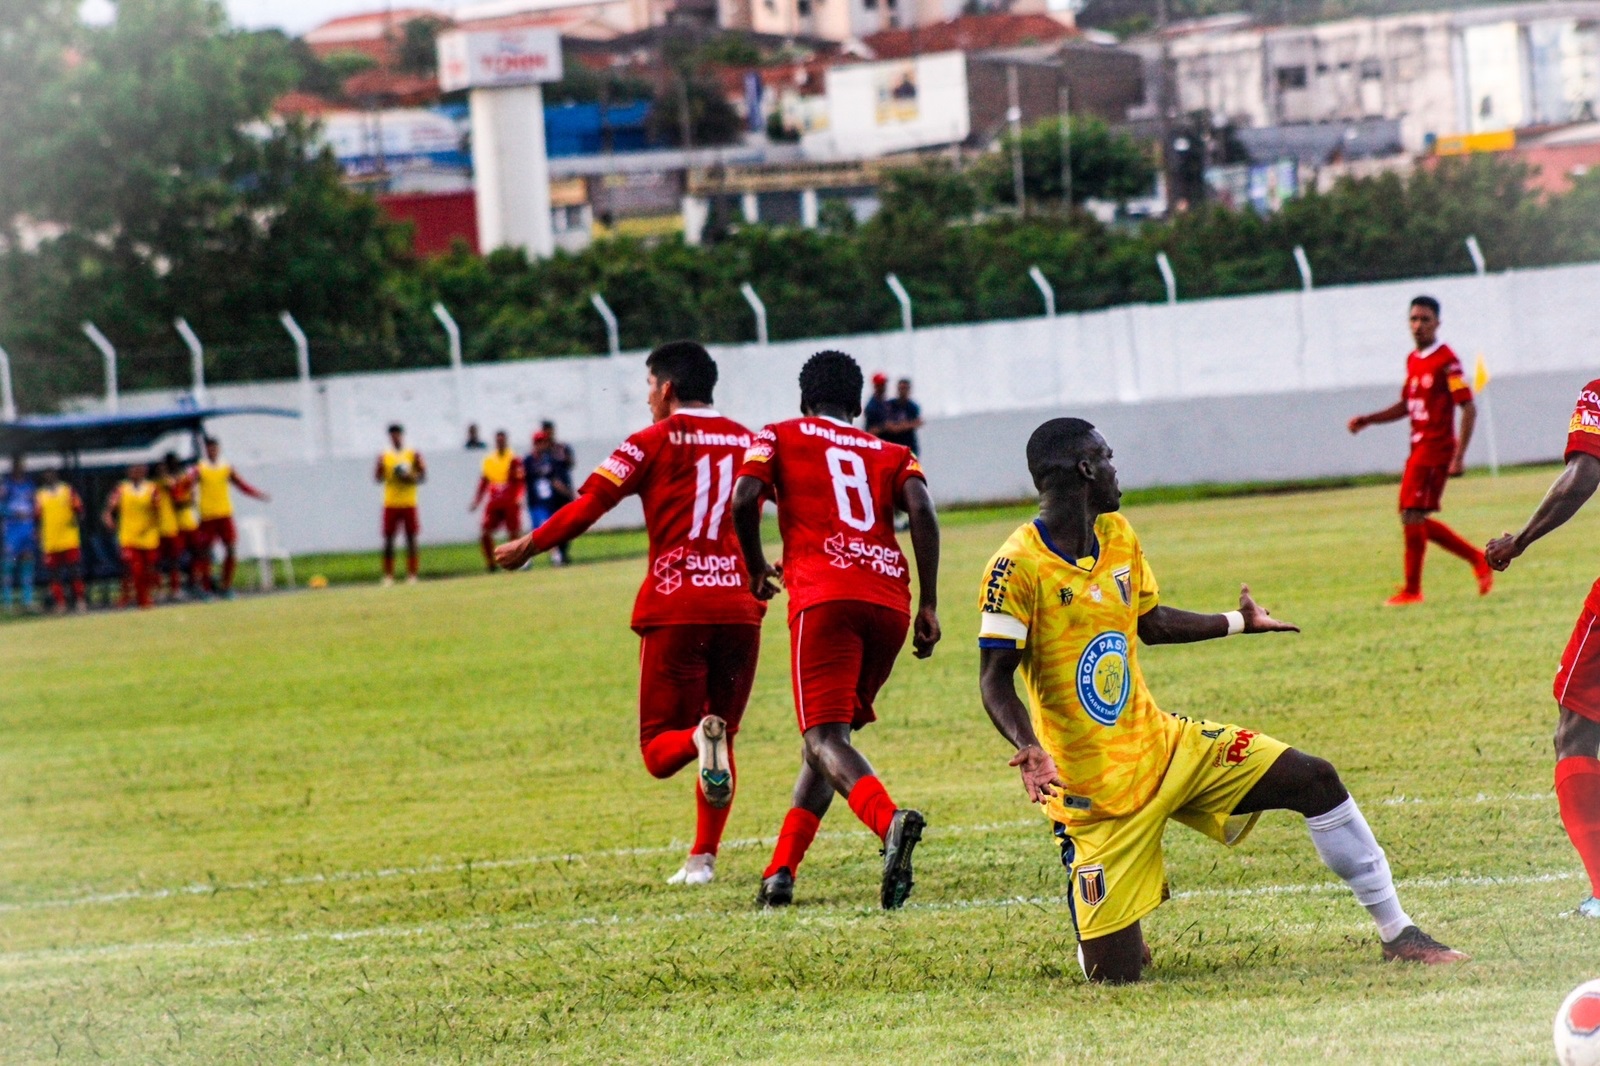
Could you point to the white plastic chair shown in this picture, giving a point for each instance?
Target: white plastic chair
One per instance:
(258, 540)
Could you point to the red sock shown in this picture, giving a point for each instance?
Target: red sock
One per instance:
(667, 753)
(228, 565)
(58, 594)
(77, 591)
(799, 830)
(487, 541)
(1451, 541)
(1416, 545)
(872, 805)
(1578, 794)
(709, 821)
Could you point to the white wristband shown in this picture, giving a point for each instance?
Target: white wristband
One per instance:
(1235, 622)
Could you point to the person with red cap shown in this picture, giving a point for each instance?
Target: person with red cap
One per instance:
(876, 413)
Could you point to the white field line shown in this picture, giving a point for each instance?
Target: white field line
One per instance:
(346, 876)
(819, 914)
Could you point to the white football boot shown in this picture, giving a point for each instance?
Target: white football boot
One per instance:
(696, 870)
(716, 774)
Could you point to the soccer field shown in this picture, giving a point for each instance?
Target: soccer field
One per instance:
(412, 825)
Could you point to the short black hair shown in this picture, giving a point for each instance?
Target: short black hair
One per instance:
(1427, 301)
(688, 366)
(1056, 446)
(831, 379)
(395, 427)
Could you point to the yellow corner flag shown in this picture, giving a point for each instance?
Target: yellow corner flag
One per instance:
(1480, 374)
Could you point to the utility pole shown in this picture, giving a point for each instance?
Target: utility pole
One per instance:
(1014, 116)
(1164, 102)
(1066, 145)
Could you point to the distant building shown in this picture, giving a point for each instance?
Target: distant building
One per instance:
(375, 33)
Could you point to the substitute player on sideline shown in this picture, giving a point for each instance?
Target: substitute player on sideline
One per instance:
(1067, 598)
(1435, 386)
(400, 470)
(699, 628)
(217, 478)
(132, 511)
(60, 512)
(849, 587)
(501, 485)
(1577, 685)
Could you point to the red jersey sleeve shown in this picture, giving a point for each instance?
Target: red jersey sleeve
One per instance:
(623, 472)
(761, 458)
(1583, 432)
(1456, 380)
(909, 469)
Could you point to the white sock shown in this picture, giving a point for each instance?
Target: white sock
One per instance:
(1345, 842)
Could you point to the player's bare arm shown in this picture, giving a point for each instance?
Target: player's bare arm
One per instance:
(1393, 413)
(1566, 495)
(925, 546)
(766, 579)
(109, 516)
(248, 489)
(1169, 625)
(477, 497)
(997, 668)
(1469, 420)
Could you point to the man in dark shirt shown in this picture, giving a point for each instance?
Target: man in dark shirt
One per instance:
(875, 416)
(548, 472)
(902, 417)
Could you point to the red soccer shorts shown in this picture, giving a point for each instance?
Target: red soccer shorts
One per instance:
(215, 530)
(1577, 686)
(400, 519)
(840, 654)
(507, 513)
(1422, 486)
(687, 672)
(72, 557)
(139, 561)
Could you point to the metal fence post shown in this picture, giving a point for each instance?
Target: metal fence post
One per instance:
(1304, 264)
(197, 360)
(1045, 290)
(302, 354)
(613, 338)
(904, 297)
(110, 354)
(458, 371)
(8, 399)
(1165, 266)
(1478, 265)
(759, 308)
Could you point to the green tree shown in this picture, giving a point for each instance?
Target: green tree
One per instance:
(1107, 164)
(418, 51)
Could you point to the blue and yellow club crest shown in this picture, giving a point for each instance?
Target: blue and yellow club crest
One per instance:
(1104, 680)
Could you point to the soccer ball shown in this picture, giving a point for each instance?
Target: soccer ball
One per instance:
(1577, 1029)
(318, 582)
(402, 472)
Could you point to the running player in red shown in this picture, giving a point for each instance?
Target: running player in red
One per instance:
(849, 587)
(1577, 687)
(501, 485)
(1435, 386)
(699, 628)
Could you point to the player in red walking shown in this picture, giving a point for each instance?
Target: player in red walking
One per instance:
(849, 587)
(1577, 687)
(699, 628)
(501, 485)
(1435, 386)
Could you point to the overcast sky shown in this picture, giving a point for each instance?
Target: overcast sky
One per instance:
(297, 16)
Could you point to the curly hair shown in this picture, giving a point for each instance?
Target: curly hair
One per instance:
(831, 379)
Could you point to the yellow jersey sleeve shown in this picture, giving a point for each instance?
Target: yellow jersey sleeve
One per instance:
(1149, 591)
(1006, 599)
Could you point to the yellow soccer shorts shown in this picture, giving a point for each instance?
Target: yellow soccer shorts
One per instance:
(1115, 865)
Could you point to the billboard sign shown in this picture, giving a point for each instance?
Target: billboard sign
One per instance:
(498, 59)
(894, 106)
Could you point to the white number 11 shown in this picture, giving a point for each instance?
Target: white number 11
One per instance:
(702, 495)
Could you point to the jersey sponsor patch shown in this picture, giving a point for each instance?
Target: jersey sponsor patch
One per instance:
(1091, 885)
(994, 589)
(615, 470)
(1104, 682)
(1238, 749)
(762, 448)
(1584, 422)
(1124, 578)
(844, 552)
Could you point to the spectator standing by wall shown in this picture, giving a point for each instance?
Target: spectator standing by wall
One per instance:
(20, 545)
(875, 415)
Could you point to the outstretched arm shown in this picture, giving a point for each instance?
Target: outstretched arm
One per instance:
(997, 668)
(1469, 419)
(477, 497)
(1570, 491)
(765, 578)
(248, 489)
(1168, 625)
(1393, 413)
(925, 546)
(569, 522)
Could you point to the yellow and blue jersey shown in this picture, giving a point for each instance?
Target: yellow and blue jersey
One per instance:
(1076, 623)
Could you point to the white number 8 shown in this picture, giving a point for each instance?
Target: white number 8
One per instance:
(850, 476)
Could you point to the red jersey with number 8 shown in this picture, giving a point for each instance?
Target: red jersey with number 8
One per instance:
(682, 469)
(837, 488)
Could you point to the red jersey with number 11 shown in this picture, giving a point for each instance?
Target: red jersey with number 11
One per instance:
(682, 468)
(837, 487)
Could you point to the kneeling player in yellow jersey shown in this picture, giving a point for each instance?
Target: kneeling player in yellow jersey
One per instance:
(1068, 598)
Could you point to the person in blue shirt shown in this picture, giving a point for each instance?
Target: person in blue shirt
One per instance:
(902, 417)
(548, 473)
(19, 545)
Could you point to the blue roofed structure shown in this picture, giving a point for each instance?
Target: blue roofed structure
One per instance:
(73, 433)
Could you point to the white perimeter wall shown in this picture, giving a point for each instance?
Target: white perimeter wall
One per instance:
(1229, 389)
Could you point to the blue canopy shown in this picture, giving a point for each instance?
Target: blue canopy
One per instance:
(38, 434)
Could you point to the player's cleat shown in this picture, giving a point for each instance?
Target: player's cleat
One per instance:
(1403, 599)
(1413, 945)
(777, 890)
(696, 870)
(1589, 908)
(1485, 579)
(904, 833)
(716, 776)
(411, 579)
(387, 582)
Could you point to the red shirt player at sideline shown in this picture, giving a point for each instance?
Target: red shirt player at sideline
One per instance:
(1577, 685)
(849, 587)
(699, 627)
(501, 484)
(1435, 386)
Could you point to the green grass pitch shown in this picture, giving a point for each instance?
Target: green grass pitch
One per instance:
(412, 825)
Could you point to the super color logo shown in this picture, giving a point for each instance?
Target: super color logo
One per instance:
(1103, 681)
